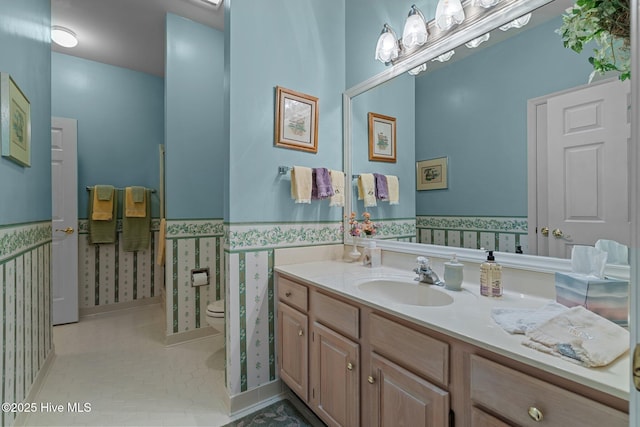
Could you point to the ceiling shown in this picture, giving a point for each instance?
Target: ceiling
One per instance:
(127, 33)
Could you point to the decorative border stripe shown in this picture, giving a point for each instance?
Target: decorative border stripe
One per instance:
(272, 336)
(197, 288)
(218, 266)
(116, 276)
(14, 241)
(243, 321)
(395, 228)
(264, 236)
(496, 224)
(97, 275)
(194, 228)
(175, 286)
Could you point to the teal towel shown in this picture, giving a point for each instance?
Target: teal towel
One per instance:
(137, 194)
(104, 191)
(102, 231)
(136, 232)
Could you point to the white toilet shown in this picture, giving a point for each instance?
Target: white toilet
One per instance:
(215, 315)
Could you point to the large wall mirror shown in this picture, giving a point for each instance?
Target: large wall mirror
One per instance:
(479, 113)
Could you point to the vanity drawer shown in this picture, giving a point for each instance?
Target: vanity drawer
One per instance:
(338, 315)
(292, 293)
(415, 351)
(514, 395)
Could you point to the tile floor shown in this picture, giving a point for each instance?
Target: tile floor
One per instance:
(117, 362)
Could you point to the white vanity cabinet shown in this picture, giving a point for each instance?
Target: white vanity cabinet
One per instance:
(360, 365)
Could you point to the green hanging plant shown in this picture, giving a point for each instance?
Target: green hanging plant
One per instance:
(607, 22)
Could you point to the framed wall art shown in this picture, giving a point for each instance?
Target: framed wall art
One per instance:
(296, 120)
(15, 122)
(382, 138)
(432, 174)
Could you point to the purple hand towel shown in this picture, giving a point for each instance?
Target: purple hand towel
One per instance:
(321, 187)
(382, 190)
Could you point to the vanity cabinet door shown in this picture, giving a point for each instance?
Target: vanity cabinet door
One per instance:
(335, 378)
(401, 398)
(293, 350)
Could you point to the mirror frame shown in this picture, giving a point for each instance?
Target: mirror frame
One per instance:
(476, 25)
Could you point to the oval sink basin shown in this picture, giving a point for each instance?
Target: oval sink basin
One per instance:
(405, 293)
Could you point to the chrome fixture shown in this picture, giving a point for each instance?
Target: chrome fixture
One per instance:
(425, 273)
(387, 48)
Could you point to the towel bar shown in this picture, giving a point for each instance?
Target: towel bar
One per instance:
(120, 189)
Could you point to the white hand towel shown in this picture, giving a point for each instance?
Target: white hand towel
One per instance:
(367, 189)
(519, 320)
(580, 336)
(394, 189)
(301, 184)
(337, 182)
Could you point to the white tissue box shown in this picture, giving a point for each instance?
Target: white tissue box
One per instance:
(607, 297)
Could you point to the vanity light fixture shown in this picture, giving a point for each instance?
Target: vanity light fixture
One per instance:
(417, 70)
(63, 36)
(415, 29)
(387, 48)
(471, 44)
(448, 14)
(445, 56)
(517, 23)
(485, 3)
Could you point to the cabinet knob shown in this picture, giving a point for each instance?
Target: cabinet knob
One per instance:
(350, 366)
(287, 294)
(535, 414)
(300, 332)
(371, 380)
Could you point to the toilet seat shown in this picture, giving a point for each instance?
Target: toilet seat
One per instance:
(216, 309)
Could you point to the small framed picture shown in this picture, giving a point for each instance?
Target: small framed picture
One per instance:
(296, 120)
(15, 122)
(431, 174)
(382, 138)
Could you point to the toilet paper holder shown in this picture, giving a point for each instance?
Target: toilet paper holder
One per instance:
(199, 277)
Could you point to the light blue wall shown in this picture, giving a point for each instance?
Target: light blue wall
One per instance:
(25, 193)
(120, 115)
(299, 45)
(397, 99)
(195, 143)
(475, 112)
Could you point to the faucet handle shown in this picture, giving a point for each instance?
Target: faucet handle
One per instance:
(422, 262)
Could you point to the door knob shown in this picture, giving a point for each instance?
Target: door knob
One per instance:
(67, 230)
(557, 233)
(544, 231)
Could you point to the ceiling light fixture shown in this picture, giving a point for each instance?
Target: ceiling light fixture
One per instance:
(417, 70)
(485, 3)
(517, 23)
(63, 36)
(445, 56)
(477, 41)
(215, 3)
(415, 29)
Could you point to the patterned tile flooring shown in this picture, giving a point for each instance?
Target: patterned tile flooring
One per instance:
(117, 363)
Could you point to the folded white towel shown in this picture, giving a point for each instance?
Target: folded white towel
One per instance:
(394, 189)
(519, 320)
(301, 184)
(367, 189)
(580, 336)
(337, 182)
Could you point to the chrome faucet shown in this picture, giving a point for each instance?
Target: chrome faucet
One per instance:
(425, 273)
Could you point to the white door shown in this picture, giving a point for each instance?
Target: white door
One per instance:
(64, 248)
(588, 135)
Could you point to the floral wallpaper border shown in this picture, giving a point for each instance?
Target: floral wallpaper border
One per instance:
(194, 228)
(396, 228)
(262, 236)
(496, 224)
(19, 238)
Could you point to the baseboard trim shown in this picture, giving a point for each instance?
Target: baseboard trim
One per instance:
(21, 418)
(196, 334)
(244, 403)
(90, 311)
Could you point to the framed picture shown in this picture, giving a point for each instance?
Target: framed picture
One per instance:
(296, 120)
(15, 122)
(431, 174)
(382, 138)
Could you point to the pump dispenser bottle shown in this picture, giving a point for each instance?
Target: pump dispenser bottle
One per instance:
(490, 277)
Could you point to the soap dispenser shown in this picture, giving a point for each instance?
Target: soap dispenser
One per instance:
(453, 274)
(490, 277)
(372, 255)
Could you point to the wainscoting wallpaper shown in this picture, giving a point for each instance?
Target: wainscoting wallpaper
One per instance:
(26, 333)
(250, 329)
(108, 276)
(491, 233)
(192, 244)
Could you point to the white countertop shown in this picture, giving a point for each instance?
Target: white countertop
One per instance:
(468, 319)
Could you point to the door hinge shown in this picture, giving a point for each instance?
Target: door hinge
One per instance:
(452, 418)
